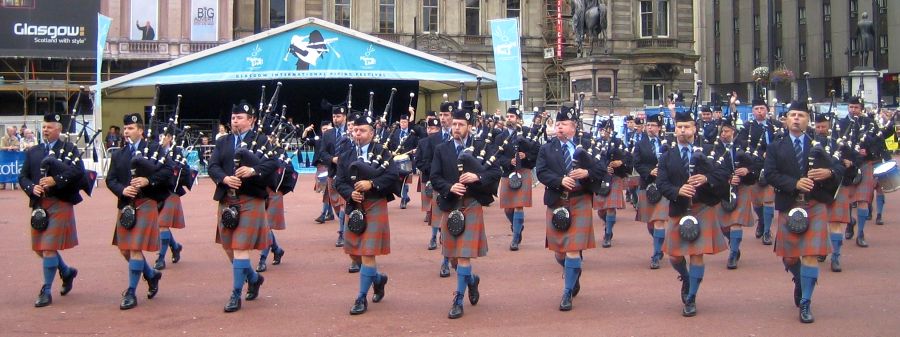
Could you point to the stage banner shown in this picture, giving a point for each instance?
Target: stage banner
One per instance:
(10, 165)
(507, 58)
(204, 20)
(145, 15)
(58, 28)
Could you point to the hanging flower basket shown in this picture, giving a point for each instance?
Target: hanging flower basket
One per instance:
(782, 76)
(761, 74)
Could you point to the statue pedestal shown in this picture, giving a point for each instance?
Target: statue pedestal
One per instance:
(869, 80)
(596, 77)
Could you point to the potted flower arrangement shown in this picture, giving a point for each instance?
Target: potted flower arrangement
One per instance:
(782, 75)
(761, 74)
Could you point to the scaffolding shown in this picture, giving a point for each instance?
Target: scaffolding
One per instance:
(555, 76)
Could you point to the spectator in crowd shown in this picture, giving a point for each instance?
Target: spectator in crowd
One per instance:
(222, 131)
(114, 137)
(28, 139)
(10, 142)
(204, 151)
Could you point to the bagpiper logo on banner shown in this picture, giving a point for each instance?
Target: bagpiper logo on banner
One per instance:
(507, 58)
(10, 166)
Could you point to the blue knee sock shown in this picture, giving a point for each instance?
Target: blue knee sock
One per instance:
(680, 267)
(264, 254)
(808, 276)
(736, 236)
(509, 212)
(879, 203)
(659, 236)
(63, 267)
(274, 242)
(561, 260)
(837, 240)
(172, 242)
(148, 271)
(572, 265)
(238, 267)
(340, 217)
(435, 231)
(325, 209)
(250, 273)
(462, 278)
(861, 214)
(404, 194)
(610, 222)
(759, 215)
(768, 214)
(445, 261)
(518, 222)
(367, 276)
(51, 263)
(696, 276)
(135, 267)
(164, 237)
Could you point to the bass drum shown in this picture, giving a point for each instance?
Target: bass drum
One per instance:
(404, 164)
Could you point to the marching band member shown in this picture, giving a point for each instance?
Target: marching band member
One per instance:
(735, 212)
(619, 165)
(652, 208)
(321, 185)
(172, 213)
(333, 142)
(760, 132)
(423, 163)
(520, 155)
(425, 189)
(404, 140)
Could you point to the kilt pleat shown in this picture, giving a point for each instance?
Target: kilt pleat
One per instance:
(580, 235)
(743, 213)
(252, 231)
(839, 209)
(814, 242)
(145, 233)
(376, 240)
(426, 200)
(711, 240)
(648, 212)
(275, 210)
(333, 195)
(866, 187)
(510, 198)
(172, 213)
(61, 232)
(616, 197)
(437, 215)
(473, 241)
(763, 195)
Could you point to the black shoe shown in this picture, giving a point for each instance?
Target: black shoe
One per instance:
(798, 292)
(861, 241)
(690, 307)
(473, 290)
(68, 281)
(234, 303)
(806, 315)
(340, 241)
(261, 267)
(878, 220)
(432, 244)
(685, 287)
(851, 229)
(320, 219)
(654, 261)
(153, 284)
(378, 289)
(253, 288)
(354, 267)
(176, 253)
(329, 217)
(160, 264)
(427, 217)
(759, 230)
(276, 257)
(456, 311)
(403, 204)
(836, 264)
(445, 270)
(360, 306)
(733, 259)
(44, 298)
(566, 303)
(129, 301)
(767, 239)
(821, 258)
(607, 241)
(514, 246)
(577, 288)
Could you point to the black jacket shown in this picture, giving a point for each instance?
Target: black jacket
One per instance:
(409, 143)
(749, 136)
(550, 170)
(221, 165)
(383, 185)
(425, 153)
(444, 173)
(672, 175)
(332, 146)
(119, 174)
(735, 158)
(782, 172)
(518, 143)
(645, 160)
(67, 176)
(612, 150)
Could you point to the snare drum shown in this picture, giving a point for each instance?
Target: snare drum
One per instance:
(888, 176)
(403, 164)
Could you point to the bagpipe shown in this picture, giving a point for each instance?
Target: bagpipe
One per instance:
(360, 170)
(652, 191)
(144, 163)
(184, 175)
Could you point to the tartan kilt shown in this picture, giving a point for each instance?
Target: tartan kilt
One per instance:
(743, 213)
(580, 235)
(426, 200)
(711, 240)
(145, 233)
(172, 214)
(814, 242)
(615, 199)
(633, 182)
(510, 198)
(376, 240)
(473, 241)
(648, 212)
(437, 215)
(252, 231)
(839, 209)
(333, 195)
(867, 185)
(763, 195)
(61, 232)
(275, 210)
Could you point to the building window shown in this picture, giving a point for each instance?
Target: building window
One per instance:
(430, 15)
(716, 28)
(386, 16)
(778, 19)
(826, 11)
(778, 54)
(646, 18)
(276, 13)
(882, 8)
(717, 61)
(18, 3)
(473, 17)
(342, 12)
(883, 43)
(513, 8)
(737, 25)
(757, 60)
(854, 8)
(853, 46)
(827, 50)
(756, 22)
(802, 52)
(801, 15)
(737, 58)
(662, 28)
